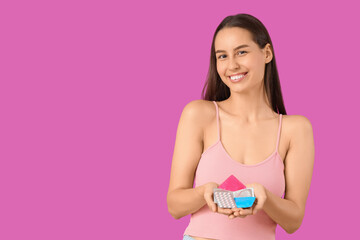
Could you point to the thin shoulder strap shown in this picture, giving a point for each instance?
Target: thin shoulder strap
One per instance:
(217, 119)
(278, 136)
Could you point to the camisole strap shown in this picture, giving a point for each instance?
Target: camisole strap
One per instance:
(278, 136)
(217, 119)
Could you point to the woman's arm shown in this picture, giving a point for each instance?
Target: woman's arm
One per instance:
(289, 212)
(182, 198)
(187, 201)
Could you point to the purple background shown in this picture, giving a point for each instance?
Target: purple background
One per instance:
(91, 93)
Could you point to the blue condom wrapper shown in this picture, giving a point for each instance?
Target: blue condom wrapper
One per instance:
(244, 202)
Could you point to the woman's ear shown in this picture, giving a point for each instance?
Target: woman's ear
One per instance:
(268, 53)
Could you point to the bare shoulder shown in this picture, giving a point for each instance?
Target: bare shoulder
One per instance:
(298, 124)
(200, 111)
(298, 120)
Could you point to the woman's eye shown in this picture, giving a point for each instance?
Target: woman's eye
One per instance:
(220, 57)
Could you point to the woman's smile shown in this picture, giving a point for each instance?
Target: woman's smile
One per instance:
(237, 78)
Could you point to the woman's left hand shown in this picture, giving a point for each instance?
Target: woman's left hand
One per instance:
(261, 196)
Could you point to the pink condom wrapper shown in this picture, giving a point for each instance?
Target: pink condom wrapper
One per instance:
(232, 184)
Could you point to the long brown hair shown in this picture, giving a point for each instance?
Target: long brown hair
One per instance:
(216, 90)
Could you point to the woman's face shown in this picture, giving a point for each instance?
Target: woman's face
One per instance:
(232, 59)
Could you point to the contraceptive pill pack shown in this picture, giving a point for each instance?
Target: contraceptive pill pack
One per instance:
(233, 194)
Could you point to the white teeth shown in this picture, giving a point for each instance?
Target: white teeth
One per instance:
(236, 77)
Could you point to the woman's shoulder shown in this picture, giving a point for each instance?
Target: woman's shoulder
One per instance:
(296, 125)
(296, 121)
(201, 110)
(199, 105)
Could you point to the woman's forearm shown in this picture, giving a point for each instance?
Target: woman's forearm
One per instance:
(284, 212)
(182, 202)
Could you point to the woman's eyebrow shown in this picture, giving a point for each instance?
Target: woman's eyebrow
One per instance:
(238, 47)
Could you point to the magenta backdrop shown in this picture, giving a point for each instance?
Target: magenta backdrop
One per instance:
(91, 94)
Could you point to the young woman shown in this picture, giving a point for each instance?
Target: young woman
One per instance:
(240, 128)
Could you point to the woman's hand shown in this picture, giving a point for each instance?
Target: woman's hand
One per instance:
(208, 196)
(261, 196)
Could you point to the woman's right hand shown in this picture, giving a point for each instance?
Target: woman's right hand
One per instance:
(208, 196)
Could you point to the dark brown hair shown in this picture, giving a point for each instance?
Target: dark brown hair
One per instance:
(216, 90)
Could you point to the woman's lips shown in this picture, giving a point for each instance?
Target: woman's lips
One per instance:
(237, 80)
(243, 73)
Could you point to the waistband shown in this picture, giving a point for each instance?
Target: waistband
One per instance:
(187, 237)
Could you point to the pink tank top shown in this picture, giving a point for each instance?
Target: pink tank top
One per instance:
(215, 165)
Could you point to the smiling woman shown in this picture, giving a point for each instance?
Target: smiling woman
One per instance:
(241, 128)
(229, 60)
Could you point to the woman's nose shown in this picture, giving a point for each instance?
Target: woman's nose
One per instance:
(233, 64)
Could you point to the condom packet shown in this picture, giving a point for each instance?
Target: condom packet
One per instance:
(247, 192)
(232, 184)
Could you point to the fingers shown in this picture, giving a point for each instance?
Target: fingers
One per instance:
(232, 216)
(236, 214)
(226, 211)
(236, 209)
(239, 212)
(231, 212)
(259, 205)
(210, 202)
(213, 207)
(246, 211)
